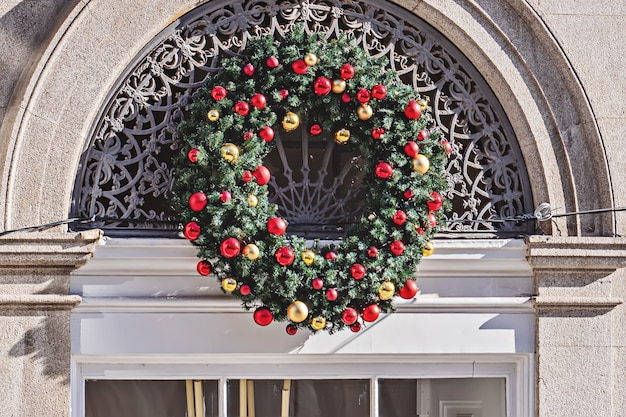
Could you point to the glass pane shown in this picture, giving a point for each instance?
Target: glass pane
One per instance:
(477, 397)
(299, 398)
(142, 398)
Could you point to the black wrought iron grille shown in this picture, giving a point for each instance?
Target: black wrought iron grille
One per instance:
(125, 178)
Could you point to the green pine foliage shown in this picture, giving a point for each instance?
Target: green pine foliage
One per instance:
(272, 285)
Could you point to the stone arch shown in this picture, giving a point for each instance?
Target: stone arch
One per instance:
(67, 88)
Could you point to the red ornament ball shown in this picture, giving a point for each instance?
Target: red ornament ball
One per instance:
(356, 327)
(408, 194)
(379, 91)
(225, 196)
(397, 247)
(299, 67)
(408, 290)
(197, 201)
(203, 268)
(248, 69)
(272, 62)
(267, 134)
(331, 256)
(346, 71)
(413, 110)
(371, 312)
(422, 135)
(247, 176)
(284, 256)
(263, 316)
(192, 155)
(248, 135)
(244, 290)
(399, 217)
(291, 329)
(191, 231)
(345, 97)
(384, 170)
(447, 147)
(317, 283)
(230, 247)
(218, 92)
(276, 226)
(284, 93)
(262, 175)
(322, 86)
(258, 101)
(349, 316)
(363, 96)
(411, 149)
(315, 129)
(435, 202)
(378, 132)
(357, 271)
(372, 251)
(432, 220)
(331, 294)
(242, 108)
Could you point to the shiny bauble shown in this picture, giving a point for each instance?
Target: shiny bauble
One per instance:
(284, 93)
(192, 155)
(408, 194)
(284, 256)
(346, 71)
(230, 152)
(386, 290)
(372, 251)
(276, 226)
(342, 136)
(317, 283)
(263, 316)
(251, 251)
(242, 108)
(258, 100)
(308, 257)
(378, 132)
(230, 247)
(331, 294)
(218, 92)
(247, 176)
(379, 91)
(356, 327)
(363, 95)
(315, 129)
(435, 202)
(357, 271)
(191, 231)
(411, 149)
(272, 62)
(318, 323)
(412, 110)
(248, 135)
(447, 147)
(299, 67)
(408, 290)
(213, 115)
(421, 164)
(291, 121)
(297, 311)
(248, 69)
(266, 133)
(203, 268)
(422, 135)
(262, 175)
(310, 59)
(349, 316)
(432, 221)
(229, 284)
(345, 97)
(225, 196)
(322, 86)
(419, 230)
(252, 200)
(197, 201)
(397, 247)
(423, 104)
(339, 86)
(364, 112)
(428, 249)
(384, 170)
(331, 256)
(291, 329)
(399, 217)
(371, 312)
(244, 290)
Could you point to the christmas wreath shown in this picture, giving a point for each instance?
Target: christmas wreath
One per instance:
(329, 87)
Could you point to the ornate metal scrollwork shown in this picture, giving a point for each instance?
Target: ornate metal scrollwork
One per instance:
(126, 178)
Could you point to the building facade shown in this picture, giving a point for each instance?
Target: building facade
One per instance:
(534, 307)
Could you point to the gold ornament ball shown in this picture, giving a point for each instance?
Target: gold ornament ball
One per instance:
(230, 152)
(318, 323)
(310, 59)
(423, 104)
(339, 86)
(251, 251)
(291, 121)
(308, 256)
(429, 248)
(421, 164)
(364, 112)
(252, 200)
(213, 115)
(342, 136)
(229, 284)
(297, 312)
(386, 290)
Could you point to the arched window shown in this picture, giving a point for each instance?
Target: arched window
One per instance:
(125, 178)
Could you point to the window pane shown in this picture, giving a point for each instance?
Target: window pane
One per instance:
(142, 398)
(300, 397)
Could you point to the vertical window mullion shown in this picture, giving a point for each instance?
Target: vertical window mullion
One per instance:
(374, 397)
